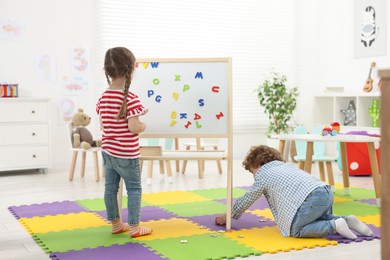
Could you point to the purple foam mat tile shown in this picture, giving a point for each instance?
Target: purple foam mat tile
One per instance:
(117, 252)
(260, 204)
(340, 239)
(369, 201)
(246, 221)
(46, 209)
(245, 187)
(147, 213)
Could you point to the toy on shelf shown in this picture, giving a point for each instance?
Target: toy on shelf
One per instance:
(373, 111)
(333, 130)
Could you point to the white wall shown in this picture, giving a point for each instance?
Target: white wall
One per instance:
(326, 56)
(324, 40)
(53, 27)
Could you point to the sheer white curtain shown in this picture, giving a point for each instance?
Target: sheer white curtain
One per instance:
(258, 35)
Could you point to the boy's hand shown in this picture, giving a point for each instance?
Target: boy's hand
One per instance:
(221, 220)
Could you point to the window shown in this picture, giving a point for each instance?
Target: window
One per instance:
(258, 35)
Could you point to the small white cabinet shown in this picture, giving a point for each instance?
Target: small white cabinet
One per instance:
(328, 106)
(24, 134)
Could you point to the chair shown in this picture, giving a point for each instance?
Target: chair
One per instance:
(93, 150)
(202, 144)
(318, 155)
(167, 145)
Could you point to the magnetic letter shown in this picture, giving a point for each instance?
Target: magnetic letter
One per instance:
(183, 115)
(156, 81)
(188, 124)
(154, 64)
(158, 99)
(198, 125)
(145, 64)
(173, 122)
(199, 75)
(175, 96)
(173, 114)
(197, 116)
(215, 89)
(186, 87)
(201, 102)
(150, 93)
(177, 77)
(219, 115)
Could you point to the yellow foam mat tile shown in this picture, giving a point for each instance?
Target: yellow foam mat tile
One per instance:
(177, 197)
(373, 220)
(267, 213)
(173, 227)
(62, 222)
(269, 240)
(341, 199)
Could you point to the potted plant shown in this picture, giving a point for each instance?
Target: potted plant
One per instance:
(278, 101)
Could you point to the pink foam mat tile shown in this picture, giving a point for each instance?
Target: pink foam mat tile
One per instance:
(45, 209)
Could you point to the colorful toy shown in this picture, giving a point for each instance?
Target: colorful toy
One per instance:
(373, 111)
(82, 137)
(333, 130)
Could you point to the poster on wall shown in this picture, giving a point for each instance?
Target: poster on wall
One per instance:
(45, 68)
(369, 32)
(74, 86)
(67, 107)
(10, 30)
(80, 60)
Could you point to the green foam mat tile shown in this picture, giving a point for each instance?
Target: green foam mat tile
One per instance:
(192, 209)
(218, 247)
(77, 239)
(219, 193)
(354, 208)
(356, 193)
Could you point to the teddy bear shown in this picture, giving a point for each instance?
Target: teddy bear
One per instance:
(82, 137)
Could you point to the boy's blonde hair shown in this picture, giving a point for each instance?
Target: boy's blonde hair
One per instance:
(260, 155)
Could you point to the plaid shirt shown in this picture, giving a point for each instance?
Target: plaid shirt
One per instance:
(284, 186)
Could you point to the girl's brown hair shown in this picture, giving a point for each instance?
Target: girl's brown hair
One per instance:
(119, 62)
(260, 155)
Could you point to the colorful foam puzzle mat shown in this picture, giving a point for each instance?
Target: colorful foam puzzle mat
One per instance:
(183, 227)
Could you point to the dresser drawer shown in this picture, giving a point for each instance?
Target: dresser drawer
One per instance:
(23, 112)
(21, 157)
(24, 134)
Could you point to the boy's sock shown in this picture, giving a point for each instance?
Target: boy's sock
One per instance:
(356, 225)
(119, 227)
(343, 229)
(137, 231)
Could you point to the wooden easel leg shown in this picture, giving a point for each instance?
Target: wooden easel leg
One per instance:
(183, 168)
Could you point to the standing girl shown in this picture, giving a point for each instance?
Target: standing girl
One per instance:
(119, 112)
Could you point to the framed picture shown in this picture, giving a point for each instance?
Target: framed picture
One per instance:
(369, 32)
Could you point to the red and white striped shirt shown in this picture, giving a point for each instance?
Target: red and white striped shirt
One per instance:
(117, 139)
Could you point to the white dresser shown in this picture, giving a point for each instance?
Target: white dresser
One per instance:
(24, 134)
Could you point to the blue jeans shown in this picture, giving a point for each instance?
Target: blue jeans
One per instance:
(129, 170)
(314, 218)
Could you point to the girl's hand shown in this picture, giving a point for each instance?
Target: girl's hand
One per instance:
(221, 220)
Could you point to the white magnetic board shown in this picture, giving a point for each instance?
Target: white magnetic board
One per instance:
(185, 96)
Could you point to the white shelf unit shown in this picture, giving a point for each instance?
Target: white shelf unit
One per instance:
(328, 106)
(24, 134)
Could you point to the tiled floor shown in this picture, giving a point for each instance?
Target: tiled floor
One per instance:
(28, 187)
